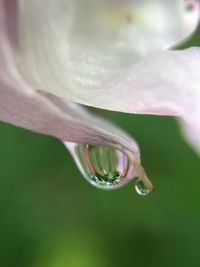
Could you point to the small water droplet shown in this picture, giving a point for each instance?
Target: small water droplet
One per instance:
(103, 166)
(141, 189)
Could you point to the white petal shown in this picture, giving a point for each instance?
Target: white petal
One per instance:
(90, 53)
(106, 25)
(65, 51)
(165, 83)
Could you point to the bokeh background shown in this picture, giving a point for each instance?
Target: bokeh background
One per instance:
(51, 217)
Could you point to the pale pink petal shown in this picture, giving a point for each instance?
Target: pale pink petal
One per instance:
(63, 50)
(165, 83)
(42, 112)
(51, 57)
(119, 27)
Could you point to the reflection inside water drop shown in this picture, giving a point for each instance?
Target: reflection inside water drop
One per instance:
(103, 166)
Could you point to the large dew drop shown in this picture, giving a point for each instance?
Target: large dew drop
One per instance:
(103, 166)
(109, 168)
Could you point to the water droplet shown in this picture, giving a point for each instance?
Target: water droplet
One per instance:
(104, 166)
(141, 189)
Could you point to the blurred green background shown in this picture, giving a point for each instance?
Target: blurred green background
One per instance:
(51, 217)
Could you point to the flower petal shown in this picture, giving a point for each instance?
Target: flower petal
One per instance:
(95, 79)
(118, 27)
(21, 105)
(90, 61)
(42, 112)
(64, 51)
(165, 83)
(47, 114)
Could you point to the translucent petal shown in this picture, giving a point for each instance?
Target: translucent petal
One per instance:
(65, 51)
